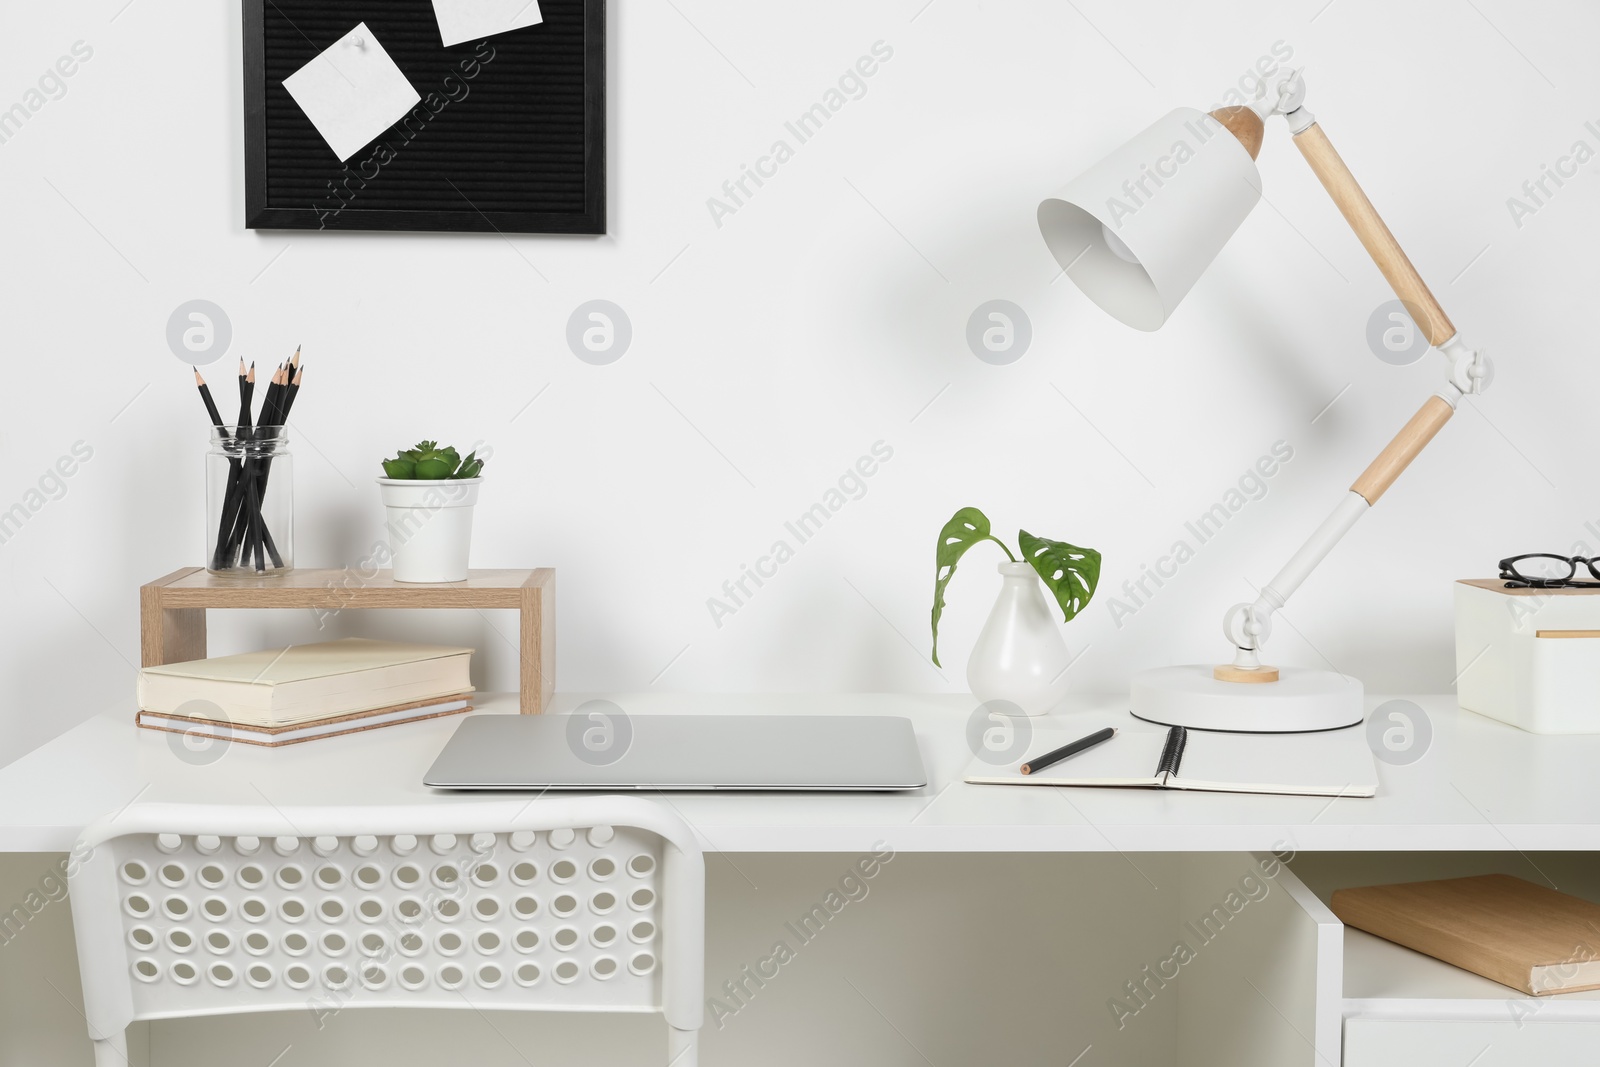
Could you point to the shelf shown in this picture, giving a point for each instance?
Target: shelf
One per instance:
(1382, 978)
(346, 588)
(172, 610)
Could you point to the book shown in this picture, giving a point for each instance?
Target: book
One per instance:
(305, 683)
(278, 736)
(1506, 929)
(1330, 763)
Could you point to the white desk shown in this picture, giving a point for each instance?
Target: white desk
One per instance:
(1481, 786)
(975, 931)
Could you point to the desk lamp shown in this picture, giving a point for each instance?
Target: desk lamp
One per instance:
(1134, 232)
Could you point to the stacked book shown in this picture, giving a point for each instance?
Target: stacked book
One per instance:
(286, 695)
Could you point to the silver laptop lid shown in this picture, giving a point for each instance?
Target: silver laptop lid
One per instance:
(756, 752)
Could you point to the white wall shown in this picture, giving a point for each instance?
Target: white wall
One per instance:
(773, 350)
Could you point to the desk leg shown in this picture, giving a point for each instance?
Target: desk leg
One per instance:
(169, 635)
(538, 641)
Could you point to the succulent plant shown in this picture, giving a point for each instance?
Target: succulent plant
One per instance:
(428, 462)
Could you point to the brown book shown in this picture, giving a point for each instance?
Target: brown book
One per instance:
(294, 733)
(1506, 929)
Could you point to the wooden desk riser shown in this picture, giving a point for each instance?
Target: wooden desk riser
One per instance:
(172, 609)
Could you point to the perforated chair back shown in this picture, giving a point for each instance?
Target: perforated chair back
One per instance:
(580, 904)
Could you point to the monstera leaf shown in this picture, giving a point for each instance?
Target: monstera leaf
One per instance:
(1070, 572)
(966, 528)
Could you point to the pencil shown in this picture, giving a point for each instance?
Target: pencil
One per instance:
(249, 504)
(1056, 755)
(249, 529)
(285, 398)
(247, 388)
(270, 412)
(230, 499)
(294, 391)
(205, 395)
(215, 416)
(276, 398)
(243, 518)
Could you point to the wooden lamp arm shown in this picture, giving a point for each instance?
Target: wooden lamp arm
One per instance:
(1248, 625)
(1402, 449)
(1407, 284)
(1375, 236)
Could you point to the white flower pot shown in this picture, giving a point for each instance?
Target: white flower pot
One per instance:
(1020, 656)
(430, 527)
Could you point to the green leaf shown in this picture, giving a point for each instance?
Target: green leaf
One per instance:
(966, 528)
(400, 468)
(434, 469)
(1071, 572)
(469, 467)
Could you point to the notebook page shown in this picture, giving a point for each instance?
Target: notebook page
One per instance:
(1330, 763)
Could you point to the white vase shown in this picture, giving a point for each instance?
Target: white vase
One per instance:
(1020, 656)
(430, 527)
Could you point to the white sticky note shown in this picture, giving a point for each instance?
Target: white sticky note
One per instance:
(352, 92)
(473, 20)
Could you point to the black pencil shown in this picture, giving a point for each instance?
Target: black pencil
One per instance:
(256, 493)
(280, 416)
(285, 402)
(294, 391)
(230, 498)
(211, 405)
(249, 529)
(216, 421)
(283, 392)
(1058, 754)
(247, 388)
(242, 519)
(270, 412)
(276, 398)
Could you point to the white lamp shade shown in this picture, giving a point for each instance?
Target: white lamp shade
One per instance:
(1137, 229)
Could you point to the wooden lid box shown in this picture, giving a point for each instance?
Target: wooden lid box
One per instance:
(1529, 657)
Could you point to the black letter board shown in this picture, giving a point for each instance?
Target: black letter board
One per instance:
(509, 137)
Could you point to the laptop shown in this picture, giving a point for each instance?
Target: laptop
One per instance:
(821, 753)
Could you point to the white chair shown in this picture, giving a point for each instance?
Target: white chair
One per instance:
(580, 904)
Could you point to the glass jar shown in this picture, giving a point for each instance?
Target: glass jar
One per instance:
(249, 501)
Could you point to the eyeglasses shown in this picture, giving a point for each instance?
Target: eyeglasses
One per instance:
(1541, 570)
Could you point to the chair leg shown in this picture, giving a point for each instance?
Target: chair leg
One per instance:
(112, 1052)
(683, 1047)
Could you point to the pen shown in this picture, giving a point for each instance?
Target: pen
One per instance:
(1057, 755)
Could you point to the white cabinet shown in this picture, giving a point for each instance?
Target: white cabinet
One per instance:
(1370, 1042)
(1401, 1008)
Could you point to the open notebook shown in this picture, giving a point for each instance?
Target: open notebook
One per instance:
(1333, 763)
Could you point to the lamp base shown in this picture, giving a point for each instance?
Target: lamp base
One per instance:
(1300, 701)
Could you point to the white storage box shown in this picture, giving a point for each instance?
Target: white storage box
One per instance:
(1529, 657)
